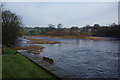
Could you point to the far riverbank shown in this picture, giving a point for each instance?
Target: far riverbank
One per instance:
(73, 37)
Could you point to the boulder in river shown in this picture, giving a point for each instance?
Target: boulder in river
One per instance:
(48, 60)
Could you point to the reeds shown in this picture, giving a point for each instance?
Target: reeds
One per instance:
(41, 41)
(27, 47)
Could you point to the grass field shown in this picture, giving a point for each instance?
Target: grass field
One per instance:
(8, 50)
(17, 66)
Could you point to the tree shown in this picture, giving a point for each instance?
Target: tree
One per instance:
(51, 25)
(1, 8)
(11, 27)
(59, 26)
(96, 25)
(87, 26)
(59, 29)
(32, 32)
(113, 25)
(74, 28)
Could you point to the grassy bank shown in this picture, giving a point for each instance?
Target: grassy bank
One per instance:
(7, 50)
(17, 66)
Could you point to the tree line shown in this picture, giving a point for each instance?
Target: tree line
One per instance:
(112, 30)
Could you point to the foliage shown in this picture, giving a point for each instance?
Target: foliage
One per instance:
(32, 32)
(112, 30)
(11, 27)
(96, 25)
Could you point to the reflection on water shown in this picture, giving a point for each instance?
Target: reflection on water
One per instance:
(85, 58)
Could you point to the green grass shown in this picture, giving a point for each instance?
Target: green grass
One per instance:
(7, 50)
(0, 66)
(17, 66)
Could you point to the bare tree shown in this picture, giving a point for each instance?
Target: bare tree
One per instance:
(59, 26)
(11, 26)
(1, 6)
(1, 9)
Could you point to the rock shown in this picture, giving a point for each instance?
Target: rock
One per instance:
(48, 60)
(17, 52)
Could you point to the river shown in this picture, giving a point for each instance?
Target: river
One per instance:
(84, 58)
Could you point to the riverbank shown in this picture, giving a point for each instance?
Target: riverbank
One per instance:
(70, 37)
(17, 66)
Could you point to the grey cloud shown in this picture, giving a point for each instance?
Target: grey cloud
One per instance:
(68, 14)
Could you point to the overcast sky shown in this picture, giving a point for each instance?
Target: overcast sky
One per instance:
(67, 13)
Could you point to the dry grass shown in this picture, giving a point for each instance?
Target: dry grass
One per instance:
(31, 49)
(41, 41)
(34, 48)
(71, 37)
(95, 38)
(27, 47)
(34, 39)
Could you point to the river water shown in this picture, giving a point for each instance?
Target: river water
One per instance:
(84, 58)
